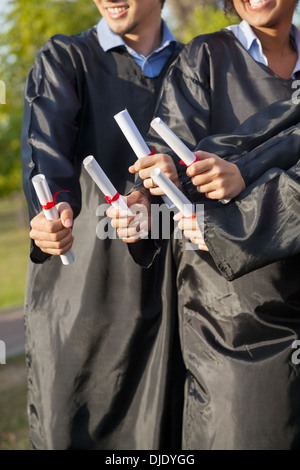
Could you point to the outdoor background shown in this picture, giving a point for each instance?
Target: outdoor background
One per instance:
(24, 26)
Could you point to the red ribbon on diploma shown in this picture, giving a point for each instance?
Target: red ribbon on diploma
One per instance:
(51, 204)
(153, 152)
(183, 163)
(113, 199)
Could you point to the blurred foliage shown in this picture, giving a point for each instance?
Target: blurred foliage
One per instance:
(205, 20)
(27, 27)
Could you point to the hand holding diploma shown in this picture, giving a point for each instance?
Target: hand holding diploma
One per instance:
(212, 175)
(120, 210)
(51, 229)
(186, 216)
(147, 161)
(132, 229)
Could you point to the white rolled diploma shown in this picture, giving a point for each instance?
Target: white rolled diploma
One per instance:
(44, 196)
(186, 155)
(103, 182)
(170, 189)
(132, 134)
(135, 139)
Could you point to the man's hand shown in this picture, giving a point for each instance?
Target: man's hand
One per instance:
(135, 227)
(216, 177)
(144, 166)
(191, 230)
(53, 237)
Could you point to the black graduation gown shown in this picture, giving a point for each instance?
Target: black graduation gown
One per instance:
(101, 343)
(239, 304)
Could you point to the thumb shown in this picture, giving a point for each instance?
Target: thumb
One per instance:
(66, 214)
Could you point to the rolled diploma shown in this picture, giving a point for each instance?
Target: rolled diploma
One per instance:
(104, 184)
(170, 189)
(135, 139)
(186, 155)
(44, 195)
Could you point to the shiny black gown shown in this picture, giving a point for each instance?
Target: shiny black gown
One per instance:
(102, 350)
(239, 304)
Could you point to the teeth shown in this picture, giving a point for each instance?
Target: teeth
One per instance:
(115, 11)
(256, 3)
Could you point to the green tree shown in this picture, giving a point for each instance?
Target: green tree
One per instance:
(206, 20)
(28, 25)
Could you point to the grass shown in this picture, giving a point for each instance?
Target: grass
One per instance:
(14, 250)
(14, 433)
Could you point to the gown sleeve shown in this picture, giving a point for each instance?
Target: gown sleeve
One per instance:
(278, 124)
(259, 227)
(50, 128)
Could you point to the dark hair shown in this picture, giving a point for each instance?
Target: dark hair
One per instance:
(162, 3)
(228, 7)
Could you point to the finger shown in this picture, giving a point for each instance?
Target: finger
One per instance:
(40, 223)
(135, 239)
(55, 237)
(200, 167)
(130, 232)
(58, 252)
(210, 187)
(56, 248)
(112, 213)
(192, 234)
(66, 214)
(141, 163)
(217, 194)
(149, 183)
(154, 191)
(122, 222)
(202, 246)
(157, 192)
(187, 224)
(178, 216)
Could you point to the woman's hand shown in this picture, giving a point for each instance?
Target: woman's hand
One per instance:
(191, 230)
(215, 177)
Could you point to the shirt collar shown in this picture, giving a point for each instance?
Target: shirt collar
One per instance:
(251, 43)
(109, 40)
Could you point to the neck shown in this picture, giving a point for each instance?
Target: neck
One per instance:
(145, 39)
(276, 37)
(274, 40)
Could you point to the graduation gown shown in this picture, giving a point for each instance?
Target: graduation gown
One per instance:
(101, 343)
(239, 304)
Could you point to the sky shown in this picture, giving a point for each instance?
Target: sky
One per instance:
(3, 4)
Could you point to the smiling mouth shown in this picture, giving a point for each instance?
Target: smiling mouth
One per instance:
(256, 3)
(116, 11)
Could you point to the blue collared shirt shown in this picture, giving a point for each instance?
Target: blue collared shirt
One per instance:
(151, 65)
(245, 34)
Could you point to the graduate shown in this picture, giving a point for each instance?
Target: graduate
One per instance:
(230, 97)
(102, 349)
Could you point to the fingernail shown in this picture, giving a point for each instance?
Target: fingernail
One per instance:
(68, 223)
